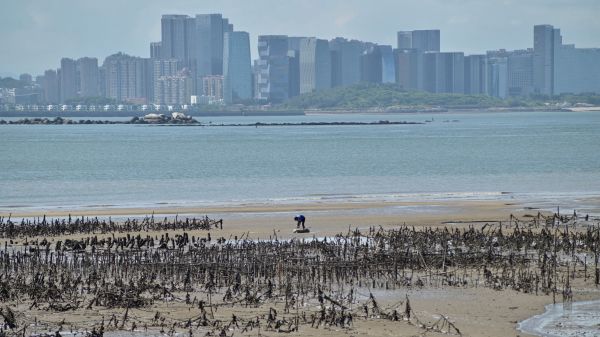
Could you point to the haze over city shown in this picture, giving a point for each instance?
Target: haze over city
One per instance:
(39, 33)
(299, 168)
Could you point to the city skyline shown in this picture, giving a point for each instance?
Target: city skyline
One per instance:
(47, 28)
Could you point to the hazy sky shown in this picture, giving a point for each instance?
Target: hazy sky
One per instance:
(37, 33)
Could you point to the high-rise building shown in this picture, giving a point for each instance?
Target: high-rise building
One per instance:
(423, 40)
(294, 42)
(173, 89)
(168, 67)
(404, 40)
(411, 48)
(388, 66)
(294, 72)
(345, 61)
(88, 77)
(227, 27)
(444, 72)
(102, 81)
(176, 37)
(163, 71)
(255, 77)
(208, 43)
(148, 78)
(315, 65)
(475, 74)
(497, 75)
(430, 65)
(544, 41)
(520, 73)
(237, 70)
(371, 65)
(127, 78)
(68, 79)
(51, 87)
(155, 52)
(294, 65)
(196, 41)
(272, 68)
(409, 69)
(212, 87)
(426, 40)
(577, 70)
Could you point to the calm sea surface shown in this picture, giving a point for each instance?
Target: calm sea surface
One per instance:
(543, 155)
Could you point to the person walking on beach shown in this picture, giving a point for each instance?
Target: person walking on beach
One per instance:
(300, 219)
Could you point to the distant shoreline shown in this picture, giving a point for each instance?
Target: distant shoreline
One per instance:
(134, 121)
(280, 113)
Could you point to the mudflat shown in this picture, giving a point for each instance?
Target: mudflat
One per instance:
(198, 286)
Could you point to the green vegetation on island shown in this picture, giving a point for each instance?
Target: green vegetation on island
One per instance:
(389, 96)
(366, 95)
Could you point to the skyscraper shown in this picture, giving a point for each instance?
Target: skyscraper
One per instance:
(208, 44)
(423, 40)
(576, 70)
(176, 34)
(475, 75)
(272, 68)
(294, 72)
(197, 42)
(68, 79)
(497, 75)
(520, 72)
(294, 65)
(416, 43)
(409, 75)
(213, 87)
(345, 61)
(174, 88)
(371, 65)
(444, 72)
(227, 27)
(155, 51)
(426, 40)
(388, 66)
(126, 78)
(544, 38)
(237, 70)
(162, 71)
(88, 77)
(404, 40)
(168, 67)
(294, 42)
(50, 86)
(315, 65)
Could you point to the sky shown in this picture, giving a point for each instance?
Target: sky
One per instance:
(36, 34)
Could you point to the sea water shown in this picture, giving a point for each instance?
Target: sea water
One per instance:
(581, 319)
(547, 157)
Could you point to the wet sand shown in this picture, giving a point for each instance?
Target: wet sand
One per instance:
(324, 219)
(475, 311)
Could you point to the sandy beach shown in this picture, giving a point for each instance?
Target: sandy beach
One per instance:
(324, 219)
(475, 311)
